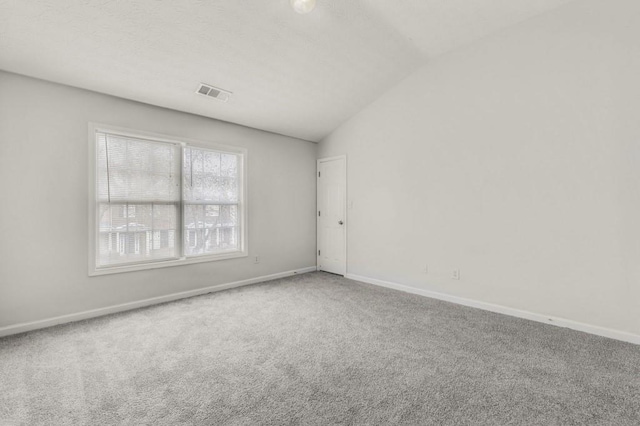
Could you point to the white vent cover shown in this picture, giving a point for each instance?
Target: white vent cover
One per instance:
(213, 92)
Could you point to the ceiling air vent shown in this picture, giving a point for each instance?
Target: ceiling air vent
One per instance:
(213, 92)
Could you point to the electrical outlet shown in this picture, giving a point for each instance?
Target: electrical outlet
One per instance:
(426, 269)
(257, 260)
(455, 275)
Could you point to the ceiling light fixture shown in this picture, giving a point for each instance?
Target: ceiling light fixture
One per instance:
(303, 6)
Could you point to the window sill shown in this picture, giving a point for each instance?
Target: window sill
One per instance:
(166, 263)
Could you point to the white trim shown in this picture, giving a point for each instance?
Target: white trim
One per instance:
(243, 202)
(160, 137)
(559, 322)
(337, 157)
(63, 319)
(166, 263)
(346, 207)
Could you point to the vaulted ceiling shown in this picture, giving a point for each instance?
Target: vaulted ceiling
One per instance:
(297, 75)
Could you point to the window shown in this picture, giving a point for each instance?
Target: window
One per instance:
(157, 202)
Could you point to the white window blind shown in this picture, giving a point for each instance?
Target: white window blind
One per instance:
(159, 201)
(138, 200)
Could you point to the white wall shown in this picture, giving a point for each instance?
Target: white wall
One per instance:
(43, 217)
(515, 159)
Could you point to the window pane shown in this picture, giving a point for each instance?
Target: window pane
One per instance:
(165, 216)
(194, 223)
(212, 162)
(229, 189)
(210, 177)
(211, 193)
(197, 161)
(210, 229)
(229, 165)
(136, 233)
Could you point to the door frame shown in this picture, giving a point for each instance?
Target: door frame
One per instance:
(346, 207)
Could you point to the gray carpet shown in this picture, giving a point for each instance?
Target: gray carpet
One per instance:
(315, 349)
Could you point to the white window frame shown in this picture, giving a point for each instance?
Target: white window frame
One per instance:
(94, 270)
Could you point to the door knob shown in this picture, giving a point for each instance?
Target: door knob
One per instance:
(340, 222)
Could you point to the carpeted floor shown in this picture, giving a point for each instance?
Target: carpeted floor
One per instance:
(315, 349)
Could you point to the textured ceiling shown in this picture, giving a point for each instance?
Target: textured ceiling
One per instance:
(298, 75)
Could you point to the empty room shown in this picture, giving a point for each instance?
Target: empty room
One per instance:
(318, 212)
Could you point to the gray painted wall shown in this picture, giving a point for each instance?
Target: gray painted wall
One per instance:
(43, 218)
(516, 160)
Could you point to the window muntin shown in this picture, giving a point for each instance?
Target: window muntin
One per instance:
(165, 202)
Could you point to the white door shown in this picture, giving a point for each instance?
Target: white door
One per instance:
(332, 215)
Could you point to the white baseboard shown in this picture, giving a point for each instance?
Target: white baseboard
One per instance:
(560, 322)
(63, 319)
